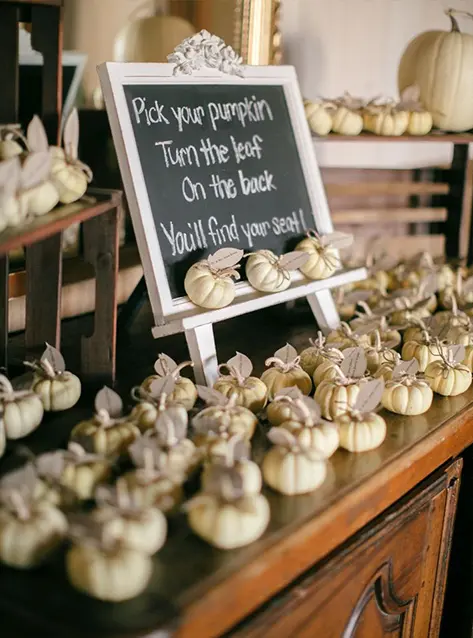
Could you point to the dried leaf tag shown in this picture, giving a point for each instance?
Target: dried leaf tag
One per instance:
(406, 367)
(35, 169)
(312, 407)
(293, 260)
(108, 400)
(357, 295)
(172, 421)
(429, 285)
(369, 396)
(242, 364)
(54, 357)
(145, 451)
(457, 353)
(467, 285)
(282, 437)
(225, 258)
(337, 240)
(70, 135)
(10, 175)
(293, 393)
(367, 326)
(36, 135)
(386, 262)
(353, 365)
(410, 94)
(164, 385)
(164, 365)
(211, 396)
(287, 354)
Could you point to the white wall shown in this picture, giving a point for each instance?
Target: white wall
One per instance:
(355, 45)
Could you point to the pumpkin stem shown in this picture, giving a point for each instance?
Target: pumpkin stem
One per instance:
(176, 373)
(453, 12)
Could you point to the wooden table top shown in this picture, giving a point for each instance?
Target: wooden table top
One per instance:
(204, 589)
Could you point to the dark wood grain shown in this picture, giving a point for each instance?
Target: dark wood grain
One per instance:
(57, 220)
(456, 206)
(214, 589)
(52, 3)
(384, 582)
(101, 251)
(43, 293)
(9, 63)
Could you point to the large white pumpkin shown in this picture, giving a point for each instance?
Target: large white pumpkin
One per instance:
(440, 63)
(150, 39)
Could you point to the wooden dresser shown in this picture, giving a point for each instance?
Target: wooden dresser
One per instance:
(365, 556)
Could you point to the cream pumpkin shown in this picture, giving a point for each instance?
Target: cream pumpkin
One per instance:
(323, 259)
(386, 120)
(183, 391)
(250, 392)
(209, 283)
(330, 369)
(282, 408)
(235, 455)
(420, 123)
(439, 63)
(336, 396)
(22, 410)
(425, 351)
(407, 395)
(318, 117)
(344, 337)
(268, 273)
(361, 432)
(285, 372)
(315, 354)
(57, 388)
(449, 376)
(347, 121)
(289, 468)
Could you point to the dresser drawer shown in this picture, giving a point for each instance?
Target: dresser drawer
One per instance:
(389, 580)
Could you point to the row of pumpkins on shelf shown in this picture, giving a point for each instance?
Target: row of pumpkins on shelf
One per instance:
(348, 115)
(36, 177)
(110, 552)
(210, 283)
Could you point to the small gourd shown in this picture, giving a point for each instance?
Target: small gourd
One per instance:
(284, 371)
(184, 391)
(157, 479)
(289, 467)
(407, 393)
(10, 138)
(448, 376)
(425, 351)
(367, 322)
(336, 396)
(223, 415)
(21, 410)
(360, 428)
(318, 117)
(170, 432)
(282, 407)
(330, 368)
(388, 361)
(420, 120)
(267, 272)
(13, 179)
(375, 354)
(235, 454)
(107, 432)
(57, 388)
(386, 119)
(74, 469)
(323, 251)
(251, 392)
(41, 198)
(310, 430)
(30, 530)
(68, 174)
(346, 301)
(347, 119)
(314, 356)
(223, 515)
(124, 515)
(344, 337)
(153, 402)
(99, 564)
(209, 283)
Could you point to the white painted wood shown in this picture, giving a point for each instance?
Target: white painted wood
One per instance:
(180, 315)
(324, 309)
(201, 344)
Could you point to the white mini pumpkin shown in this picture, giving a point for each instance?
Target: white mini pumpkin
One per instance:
(347, 121)
(289, 468)
(268, 273)
(448, 376)
(425, 351)
(344, 337)
(280, 409)
(222, 415)
(70, 176)
(361, 432)
(235, 454)
(10, 138)
(284, 371)
(251, 392)
(324, 259)
(405, 393)
(22, 410)
(184, 390)
(209, 283)
(318, 117)
(57, 388)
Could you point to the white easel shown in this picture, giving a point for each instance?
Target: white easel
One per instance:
(180, 315)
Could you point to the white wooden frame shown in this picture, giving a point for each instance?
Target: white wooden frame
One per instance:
(181, 315)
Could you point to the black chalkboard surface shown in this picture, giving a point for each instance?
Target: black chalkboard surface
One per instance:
(221, 168)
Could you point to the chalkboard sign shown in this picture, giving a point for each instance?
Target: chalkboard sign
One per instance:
(221, 167)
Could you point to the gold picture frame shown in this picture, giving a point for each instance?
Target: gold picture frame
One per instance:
(251, 27)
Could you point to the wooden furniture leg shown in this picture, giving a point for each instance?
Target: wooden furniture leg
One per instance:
(101, 251)
(4, 290)
(43, 293)
(458, 208)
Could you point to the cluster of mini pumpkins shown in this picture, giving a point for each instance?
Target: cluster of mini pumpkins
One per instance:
(210, 283)
(35, 177)
(350, 116)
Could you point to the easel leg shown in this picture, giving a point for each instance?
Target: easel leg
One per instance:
(324, 309)
(101, 250)
(201, 344)
(4, 271)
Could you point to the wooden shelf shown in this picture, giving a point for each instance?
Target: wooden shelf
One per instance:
(436, 136)
(50, 3)
(40, 228)
(215, 589)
